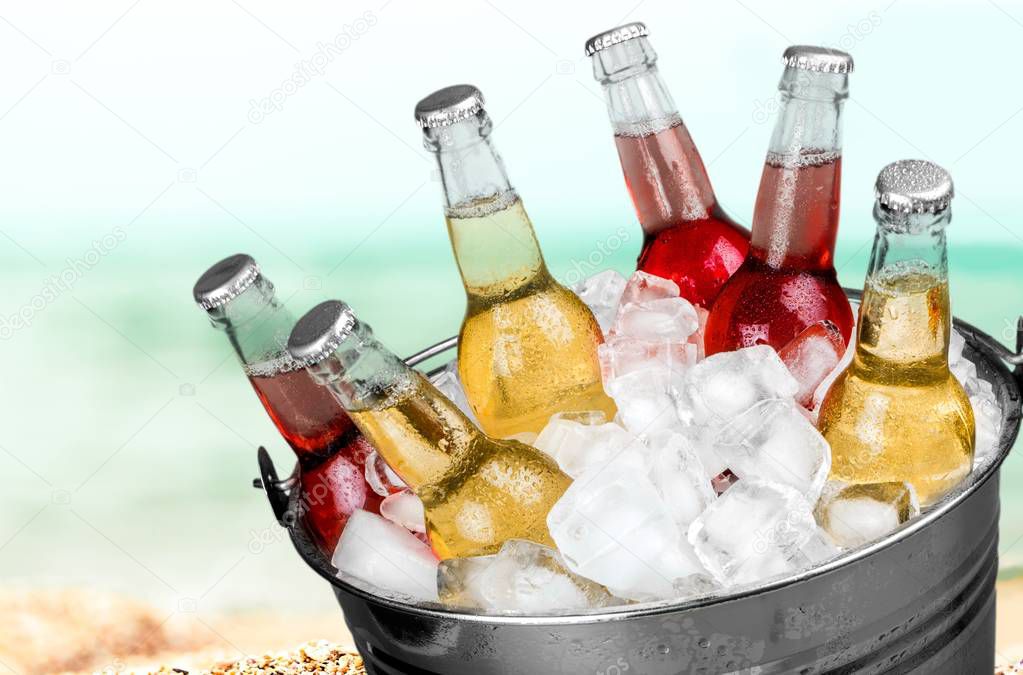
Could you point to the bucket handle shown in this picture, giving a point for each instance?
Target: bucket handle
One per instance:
(1016, 359)
(276, 489)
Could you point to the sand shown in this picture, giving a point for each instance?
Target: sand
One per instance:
(79, 631)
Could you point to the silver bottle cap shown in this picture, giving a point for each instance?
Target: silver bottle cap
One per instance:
(449, 105)
(318, 334)
(914, 186)
(609, 38)
(817, 59)
(225, 281)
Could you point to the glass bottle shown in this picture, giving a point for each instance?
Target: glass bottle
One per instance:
(897, 413)
(788, 281)
(688, 238)
(331, 452)
(527, 346)
(477, 492)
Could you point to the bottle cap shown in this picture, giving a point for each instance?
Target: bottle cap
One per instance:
(914, 186)
(609, 38)
(318, 334)
(449, 105)
(817, 59)
(225, 281)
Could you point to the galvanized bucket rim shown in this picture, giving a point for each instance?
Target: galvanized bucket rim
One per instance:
(993, 351)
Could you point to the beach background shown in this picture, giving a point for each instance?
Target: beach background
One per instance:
(144, 141)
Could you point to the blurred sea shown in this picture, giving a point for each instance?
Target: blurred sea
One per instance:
(129, 444)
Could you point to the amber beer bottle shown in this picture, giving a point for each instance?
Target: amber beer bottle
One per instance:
(688, 238)
(788, 281)
(331, 452)
(477, 491)
(897, 413)
(527, 348)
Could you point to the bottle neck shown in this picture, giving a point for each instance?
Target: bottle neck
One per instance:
(795, 220)
(493, 240)
(256, 323)
(665, 174)
(905, 315)
(413, 426)
(910, 240)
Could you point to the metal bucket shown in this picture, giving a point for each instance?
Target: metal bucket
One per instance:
(921, 600)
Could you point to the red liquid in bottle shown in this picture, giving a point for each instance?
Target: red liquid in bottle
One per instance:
(333, 489)
(687, 237)
(331, 451)
(788, 281)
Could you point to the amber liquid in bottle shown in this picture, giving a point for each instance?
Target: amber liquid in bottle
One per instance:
(527, 345)
(477, 491)
(897, 413)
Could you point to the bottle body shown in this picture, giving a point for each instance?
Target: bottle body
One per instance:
(331, 451)
(527, 345)
(309, 418)
(897, 413)
(693, 243)
(489, 491)
(688, 238)
(788, 281)
(477, 492)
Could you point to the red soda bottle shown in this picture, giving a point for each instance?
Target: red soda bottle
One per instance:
(788, 282)
(687, 237)
(331, 451)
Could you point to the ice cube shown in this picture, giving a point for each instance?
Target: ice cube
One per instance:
(758, 530)
(330, 492)
(522, 577)
(811, 356)
(956, 343)
(404, 509)
(449, 384)
(612, 527)
(829, 379)
(621, 355)
(386, 556)
(728, 383)
(988, 419)
(697, 338)
(987, 413)
(643, 287)
(590, 418)
(380, 477)
(696, 586)
(678, 474)
(966, 372)
(856, 514)
(644, 400)
(774, 442)
(722, 481)
(576, 446)
(663, 320)
(602, 293)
